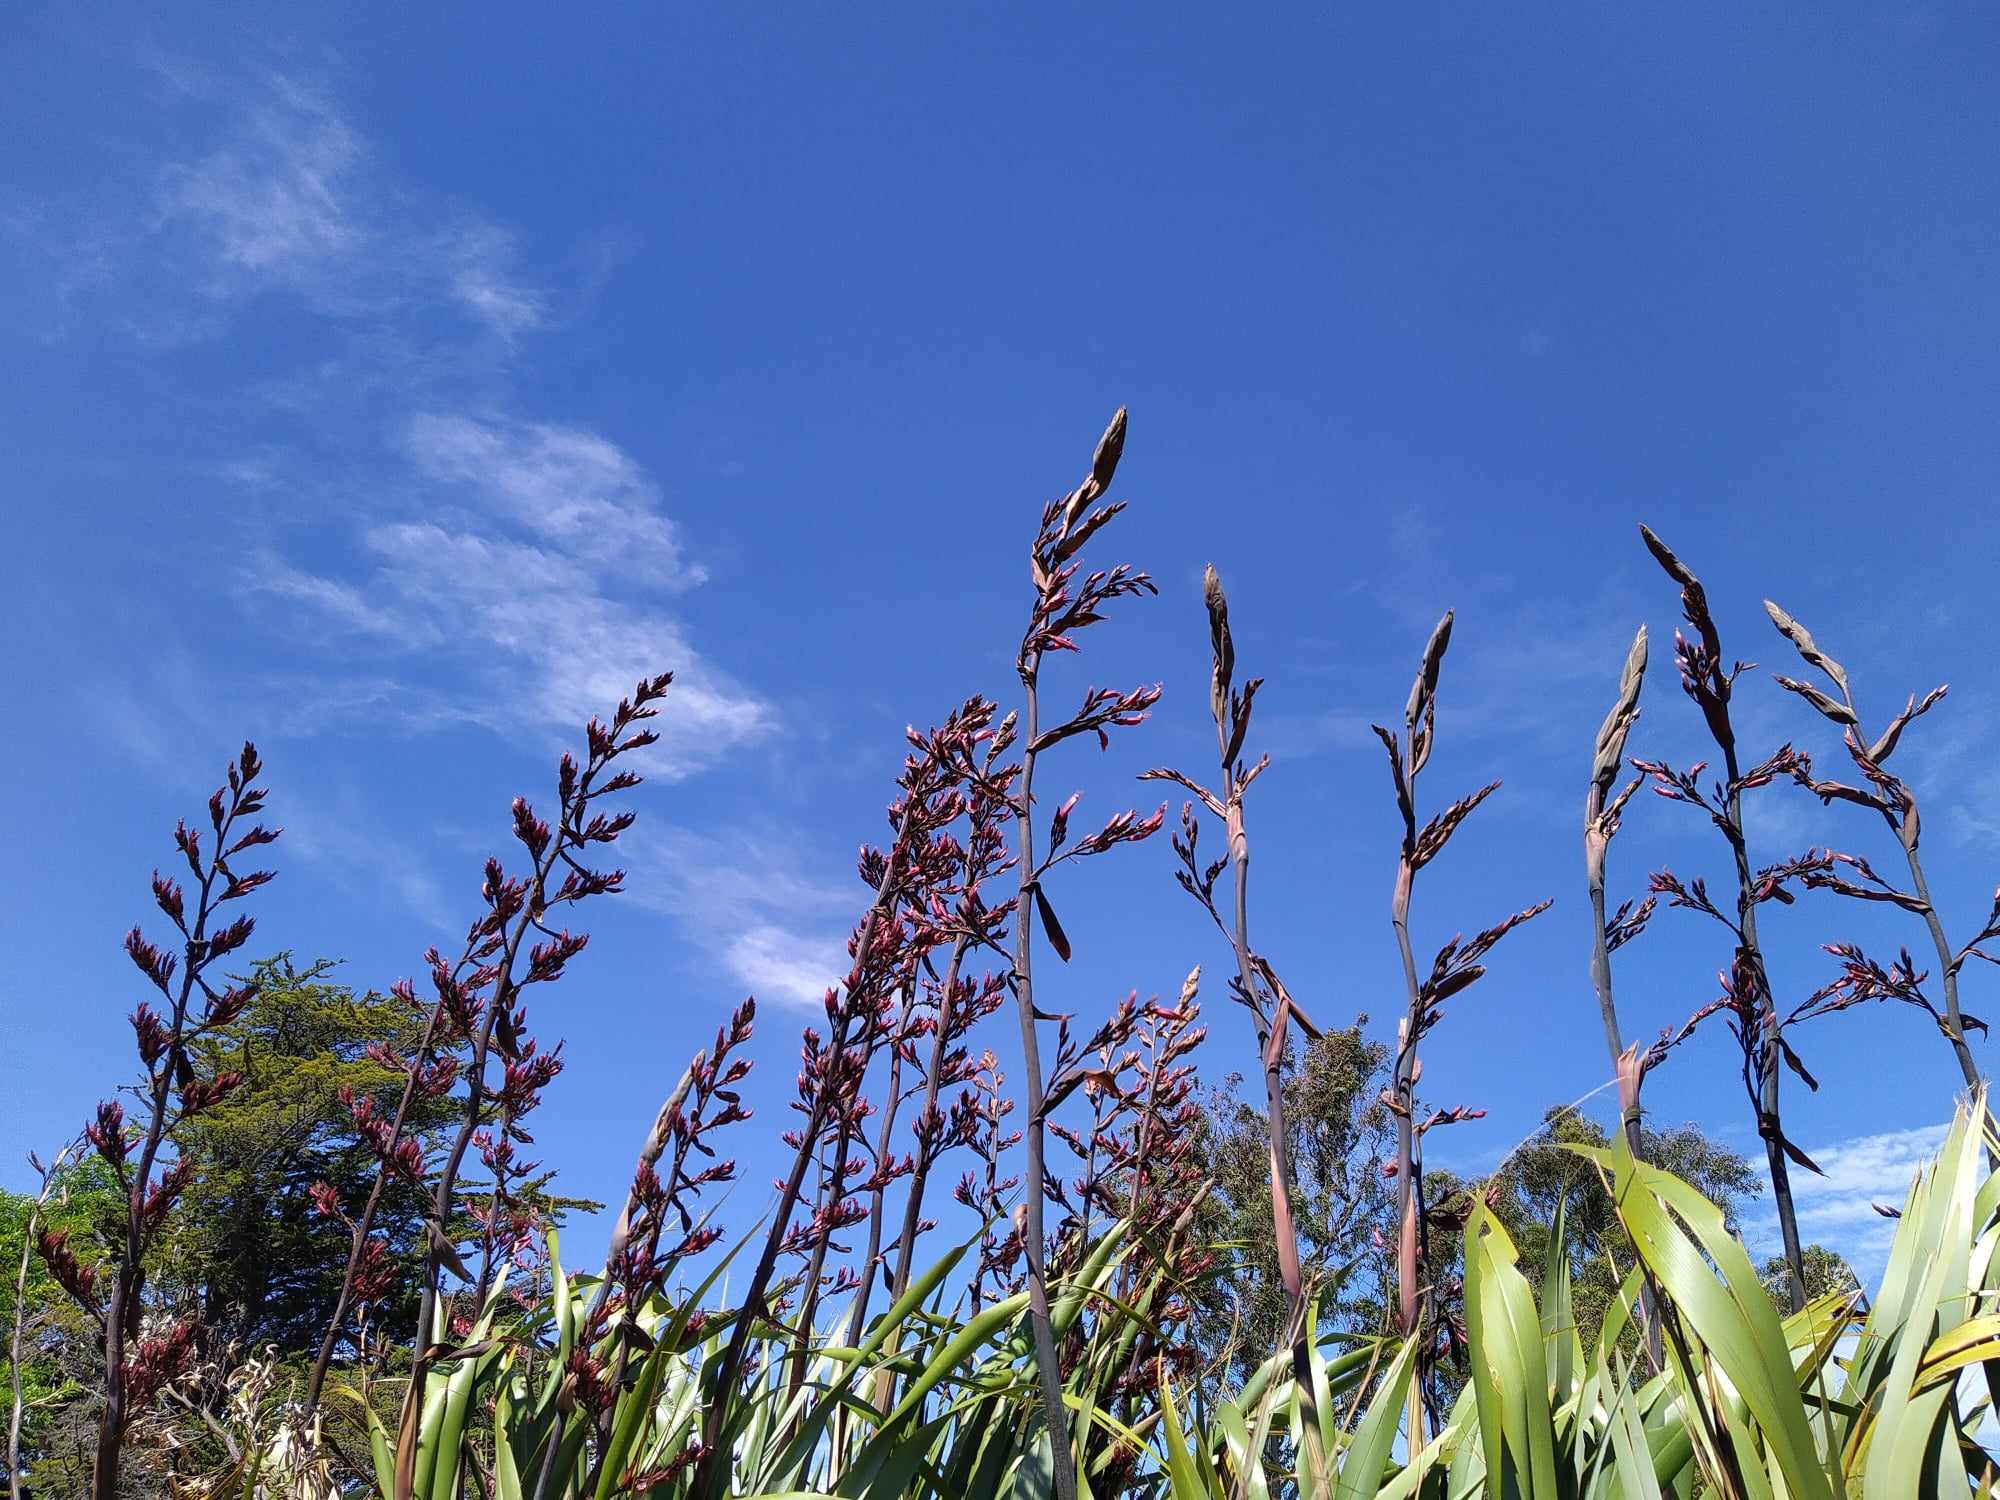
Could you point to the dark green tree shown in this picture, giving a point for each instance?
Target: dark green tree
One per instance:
(261, 1262)
(1340, 1138)
(251, 1256)
(1827, 1271)
(1548, 1172)
(60, 1355)
(1340, 1141)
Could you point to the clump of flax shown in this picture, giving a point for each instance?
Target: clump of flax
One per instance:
(1255, 984)
(1891, 798)
(1455, 968)
(1746, 1001)
(1603, 807)
(1066, 601)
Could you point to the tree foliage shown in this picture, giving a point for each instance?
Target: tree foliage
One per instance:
(1340, 1136)
(61, 1364)
(260, 1261)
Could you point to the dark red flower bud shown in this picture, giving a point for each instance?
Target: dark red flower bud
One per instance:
(107, 1134)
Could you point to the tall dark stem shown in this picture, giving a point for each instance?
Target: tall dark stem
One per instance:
(1710, 685)
(1412, 1245)
(1270, 1047)
(926, 1152)
(1770, 1124)
(833, 1188)
(857, 1317)
(621, 1239)
(1948, 963)
(1905, 822)
(1407, 758)
(1457, 966)
(1600, 978)
(1033, 1246)
(1064, 604)
(1893, 798)
(1258, 988)
(358, 1241)
(122, 1316)
(498, 938)
(123, 1312)
(1601, 810)
(712, 1471)
(447, 1183)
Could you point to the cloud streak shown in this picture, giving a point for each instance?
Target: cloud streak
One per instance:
(535, 590)
(1838, 1209)
(272, 202)
(448, 554)
(747, 904)
(501, 565)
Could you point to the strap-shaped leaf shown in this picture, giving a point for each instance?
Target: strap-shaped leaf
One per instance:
(1369, 1448)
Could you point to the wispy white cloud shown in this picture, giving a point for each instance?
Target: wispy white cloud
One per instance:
(335, 833)
(575, 489)
(1838, 1209)
(293, 199)
(1977, 818)
(1948, 757)
(482, 259)
(496, 558)
(543, 613)
(272, 201)
(745, 900)
(263, 185)
(1779, 824)
(777, 964)
(464, 560)
(342, 603)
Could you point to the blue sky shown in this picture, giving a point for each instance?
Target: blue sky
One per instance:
(396, 390)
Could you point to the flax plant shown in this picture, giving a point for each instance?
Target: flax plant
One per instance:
(1455, 968)
(884, 1027)
(1893, 799)
(640, 1255)
(1144, 1170)
(1064, 604)
(464, 1018)
(368, 1272)
(887, 1167)
(959, 1000)
(841, 1154)
(834, 1068)
(985, 1191)
(1255, 985)
(139, 1363)
(482, 1005)
(1030, 1360)
(1104, 1061)
(1746, 1001)
(1603, 808)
